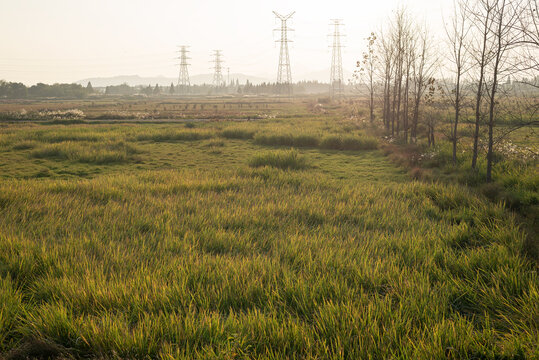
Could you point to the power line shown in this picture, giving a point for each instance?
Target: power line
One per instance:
(336, 77)
(284, 73)
(183, 78)
(217, 68)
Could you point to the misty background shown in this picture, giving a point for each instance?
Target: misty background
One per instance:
(136, 42)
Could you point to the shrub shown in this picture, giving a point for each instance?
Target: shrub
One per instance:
(285, 159)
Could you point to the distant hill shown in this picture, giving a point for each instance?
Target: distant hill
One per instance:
(134, 80)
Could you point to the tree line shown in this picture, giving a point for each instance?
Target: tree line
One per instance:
(15, 90)
(410, 78)
(232, 88)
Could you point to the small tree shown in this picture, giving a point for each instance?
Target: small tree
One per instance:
(148, 91)
(89, 88)
(367, 67)
(172, 90)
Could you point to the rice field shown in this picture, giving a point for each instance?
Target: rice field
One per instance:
(271, 239)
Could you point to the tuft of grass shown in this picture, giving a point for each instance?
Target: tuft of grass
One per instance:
(101, 154)
(301, 140)
(238, 133)
(354, 143)
(347, 260)
(215, 143)
(24, 145)
(173, 135)
(282, 159)
(330, 142)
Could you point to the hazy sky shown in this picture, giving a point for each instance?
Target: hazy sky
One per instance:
(67, 40)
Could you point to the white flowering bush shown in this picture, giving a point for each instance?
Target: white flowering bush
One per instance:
(429, 155)
(265, 116)
(61, 114)
(512, 151)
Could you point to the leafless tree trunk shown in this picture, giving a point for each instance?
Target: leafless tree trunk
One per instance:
(367, 69)
(528, 28)
(457, 40)
(506, 16)
(422, 75)
(385, 54)
(481, 18)
(410, 54)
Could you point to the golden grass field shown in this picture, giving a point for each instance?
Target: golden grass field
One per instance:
(290, 236)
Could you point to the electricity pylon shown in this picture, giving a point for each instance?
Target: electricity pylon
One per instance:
(218, 80)
(284, 74)
(183, 78)
(336, 78)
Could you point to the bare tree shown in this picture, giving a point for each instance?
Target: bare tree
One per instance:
(480, 14)
(423, 69)
(457, 33)
(367, 71)
(410, 54)
(433, 113)
(401, 32)
(506, 16)
(385, 52)
(528, 28)
(398, 51)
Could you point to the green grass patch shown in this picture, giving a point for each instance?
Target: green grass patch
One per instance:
(301, 140)
(238, 133)
(282, 159)
(102, 154)
(353, 143)
(329, 142)
(24, 145)
(167, 135)
(193, 253)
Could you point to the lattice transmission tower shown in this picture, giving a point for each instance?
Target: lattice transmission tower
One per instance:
(183, 78)
(336, 78)
(284, 73)
(218, 80)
